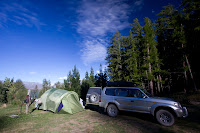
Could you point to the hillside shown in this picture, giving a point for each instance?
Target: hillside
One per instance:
(31, 85)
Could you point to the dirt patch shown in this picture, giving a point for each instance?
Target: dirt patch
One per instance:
(82, 122)
(91, 121)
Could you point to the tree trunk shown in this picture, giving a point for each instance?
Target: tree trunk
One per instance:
(120, 76)
(151, 82)
(161, 87)
(195, 88)
(21, 107)
(186, 79)
(158, 84)
(185, 73)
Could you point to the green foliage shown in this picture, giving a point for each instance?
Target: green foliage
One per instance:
(134, 58)
(46, 85)
(161, 62)
(92, 78)
(114, 57)
(168, 37)
(178, 44)
(84, 88)
(87, 82)
(101, 78)
(59, 85)
(20, 91)
(12, 92)
(34, 92)
(73, 81)
(3, 94)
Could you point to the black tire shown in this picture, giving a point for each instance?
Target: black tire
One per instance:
(94, 98)
(112, 110)
(165, 117)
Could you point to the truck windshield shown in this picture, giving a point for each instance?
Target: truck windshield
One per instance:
(145, 91)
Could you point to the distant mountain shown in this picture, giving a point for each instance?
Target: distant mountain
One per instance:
(31, 85)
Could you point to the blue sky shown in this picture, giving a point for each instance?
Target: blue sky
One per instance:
(45, 39)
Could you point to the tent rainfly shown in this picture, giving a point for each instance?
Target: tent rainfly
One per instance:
(59, 100)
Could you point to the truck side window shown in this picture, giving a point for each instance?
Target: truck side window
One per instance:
(122, 92)
(110, 91)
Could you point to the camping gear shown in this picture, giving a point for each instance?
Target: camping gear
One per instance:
(37, 102)
(82, 103)
(13, 116)
(60, 100)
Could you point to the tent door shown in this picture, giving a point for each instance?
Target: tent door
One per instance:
(60, 106)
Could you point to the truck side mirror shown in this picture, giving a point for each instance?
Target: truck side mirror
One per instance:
(144, 96)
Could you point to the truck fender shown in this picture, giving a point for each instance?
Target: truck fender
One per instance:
(110, 102)
(164, 105)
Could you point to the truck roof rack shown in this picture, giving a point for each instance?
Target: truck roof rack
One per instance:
(120, 84)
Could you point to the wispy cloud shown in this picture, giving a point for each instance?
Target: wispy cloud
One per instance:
(98, 18)
(59, 27)
(65, 77)
(32, 73)
(139, 3)
(18, 14)
(93, 51)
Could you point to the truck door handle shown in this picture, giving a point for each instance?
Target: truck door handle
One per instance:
(132, 101)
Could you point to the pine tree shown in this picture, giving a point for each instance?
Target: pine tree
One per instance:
(85, 85)
(92, 78)
(20, 92)
(173, 41)
(73, 81)
(166, 42)
(151, 56)
(67, 82)
(45, 86)
(87, 76)
(133, 53)
(3, 93)
(191, 28)
(114, 58)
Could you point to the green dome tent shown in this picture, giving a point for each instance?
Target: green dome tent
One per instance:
(59, 100)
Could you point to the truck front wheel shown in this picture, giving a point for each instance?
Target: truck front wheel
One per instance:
(165, 118)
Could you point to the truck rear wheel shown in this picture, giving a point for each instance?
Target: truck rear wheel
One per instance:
(165, 118)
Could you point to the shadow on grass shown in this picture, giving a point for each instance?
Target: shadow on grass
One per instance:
(95, 108)
(8, 122)
(147, 123)
(4, 122)
(124, 114)
(143, 122)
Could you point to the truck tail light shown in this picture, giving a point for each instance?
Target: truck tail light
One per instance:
(100, 98)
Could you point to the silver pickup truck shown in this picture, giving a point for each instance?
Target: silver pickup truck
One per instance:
(165, 110)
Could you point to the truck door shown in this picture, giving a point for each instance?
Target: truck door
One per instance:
(138, 103)
(121, 97)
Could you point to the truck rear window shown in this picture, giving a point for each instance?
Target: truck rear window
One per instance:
(95, 89)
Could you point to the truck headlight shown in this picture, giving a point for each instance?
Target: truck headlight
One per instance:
(178, 105)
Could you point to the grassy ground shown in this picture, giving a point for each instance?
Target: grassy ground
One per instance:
(92, 120)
